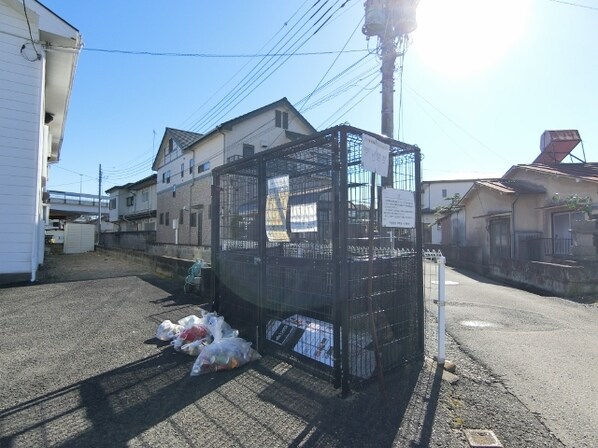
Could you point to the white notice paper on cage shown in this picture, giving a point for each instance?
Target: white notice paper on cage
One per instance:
(304, 217)
(374, 155)
(276, 209)
(398, 208)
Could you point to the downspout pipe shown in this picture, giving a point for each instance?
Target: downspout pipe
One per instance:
(513, 226)
(219, 129)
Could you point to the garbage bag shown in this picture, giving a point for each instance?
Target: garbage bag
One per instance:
(224, 354)
(167, 331)
(191, 320)
(194, 348)
(219, 328)
(199, 333)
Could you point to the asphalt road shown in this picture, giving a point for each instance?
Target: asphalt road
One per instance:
(544, 350)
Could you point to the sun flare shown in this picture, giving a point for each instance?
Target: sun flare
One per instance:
(464, 37)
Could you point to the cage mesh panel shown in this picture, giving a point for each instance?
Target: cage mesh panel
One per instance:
(295, 305)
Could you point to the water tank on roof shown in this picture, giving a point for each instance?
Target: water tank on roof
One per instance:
(556, 145)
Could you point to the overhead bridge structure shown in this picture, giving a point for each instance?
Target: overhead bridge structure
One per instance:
(65, 205)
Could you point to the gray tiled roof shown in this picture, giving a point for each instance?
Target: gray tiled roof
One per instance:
(511, 186)
(184, 138)
(585, 171)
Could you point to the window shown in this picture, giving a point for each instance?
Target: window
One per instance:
(281, 119)
(500, 238)
(203, 167)
(112, 205)
(248, 150)
(444, 193)
(181, 218)
(191, 165)
(174, 191)
(561, 231)
(182, 169)
(145, 196)
(193, 220)
(161, 219)
(130, 201)
(170, 145)
(210, 211)
(167, 218)
(166, 177)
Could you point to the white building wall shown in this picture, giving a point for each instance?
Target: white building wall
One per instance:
(20, 139)
(433, 197)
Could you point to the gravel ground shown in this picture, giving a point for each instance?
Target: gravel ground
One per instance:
(79, 367)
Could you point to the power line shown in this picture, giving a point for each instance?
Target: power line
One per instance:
(264, 72)
(217, 91)
(333, 62)
(257, 71)
(214, 55)
(577, 5)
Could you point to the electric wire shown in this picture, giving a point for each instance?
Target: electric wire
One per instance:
(577, 5)
(331, 65)
(39, 56)
(217, 91)
(277, 47)
(344, 109)
(461, 128)
(250, 85)
(215, 55)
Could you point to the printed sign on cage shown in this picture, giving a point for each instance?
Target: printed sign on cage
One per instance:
(304, 218)
(398, 208)
(374, 155)
(276, 209)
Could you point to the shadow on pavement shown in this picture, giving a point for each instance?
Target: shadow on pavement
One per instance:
(155, 402)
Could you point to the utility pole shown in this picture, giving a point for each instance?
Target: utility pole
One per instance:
(389, 56)
(390, 21)
(99, 203)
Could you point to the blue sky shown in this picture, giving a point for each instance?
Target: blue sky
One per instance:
(481, 81)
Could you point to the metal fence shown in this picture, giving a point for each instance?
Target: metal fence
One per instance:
(291, 258)
(537, 248)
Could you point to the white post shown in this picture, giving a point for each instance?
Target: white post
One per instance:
(441, 311)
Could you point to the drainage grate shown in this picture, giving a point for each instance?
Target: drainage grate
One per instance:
(482, 438)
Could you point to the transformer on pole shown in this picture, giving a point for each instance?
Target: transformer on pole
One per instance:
(390, 21)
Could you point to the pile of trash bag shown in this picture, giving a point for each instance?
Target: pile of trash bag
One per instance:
(215, 343)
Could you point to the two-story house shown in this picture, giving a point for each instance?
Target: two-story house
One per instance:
(441, 193)
(185, 159)
(39, 53)
(132, 206)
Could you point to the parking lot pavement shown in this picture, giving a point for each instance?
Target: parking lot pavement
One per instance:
(80, 367)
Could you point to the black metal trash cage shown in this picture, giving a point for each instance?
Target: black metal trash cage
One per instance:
(290, 255)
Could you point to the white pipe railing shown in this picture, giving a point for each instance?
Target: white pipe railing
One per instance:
(441, 311)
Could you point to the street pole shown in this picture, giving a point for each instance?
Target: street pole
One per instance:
(99, 204)
(389, 55)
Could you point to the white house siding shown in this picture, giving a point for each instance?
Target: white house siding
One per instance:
(20, 138)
